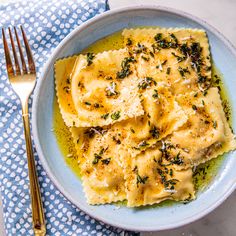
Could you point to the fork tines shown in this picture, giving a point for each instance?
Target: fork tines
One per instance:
(17, 70)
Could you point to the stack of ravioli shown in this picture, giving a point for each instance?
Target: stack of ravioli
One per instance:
(142, 117)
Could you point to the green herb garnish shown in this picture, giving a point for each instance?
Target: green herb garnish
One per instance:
(90, 57)
(154, 132)
(111, 90)
(125, 65)
(115, 115)
(168, 70)
(183, 71)
(141, 180)
(146, 82)
(105, 116)
(155, 94)
(129, 42)
(87, 103)
(106, 161)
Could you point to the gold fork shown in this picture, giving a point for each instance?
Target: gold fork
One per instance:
(23, 81)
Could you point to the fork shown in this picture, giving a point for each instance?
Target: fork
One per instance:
(23, 79)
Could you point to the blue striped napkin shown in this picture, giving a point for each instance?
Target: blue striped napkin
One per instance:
(46, 23)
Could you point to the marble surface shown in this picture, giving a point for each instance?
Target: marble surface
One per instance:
(220, 14)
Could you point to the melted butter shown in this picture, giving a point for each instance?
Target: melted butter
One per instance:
(64, 139)
(204, 173)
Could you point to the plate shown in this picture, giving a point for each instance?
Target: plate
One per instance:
(145, 219)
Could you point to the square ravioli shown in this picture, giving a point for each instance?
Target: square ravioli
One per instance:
(178, 57)
(101, 170)
(104, 88)
(162, 116)
(205, 135)
(148, 182)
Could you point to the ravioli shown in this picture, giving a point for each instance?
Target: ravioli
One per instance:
(104, 88)
(62, 69)
(205, 135)
(162, 116)
(102, 174)
(147, 182)
(178, 57)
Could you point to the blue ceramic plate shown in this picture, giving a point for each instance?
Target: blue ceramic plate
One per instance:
(149, 219)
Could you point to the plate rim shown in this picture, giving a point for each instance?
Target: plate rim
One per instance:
(45, 71)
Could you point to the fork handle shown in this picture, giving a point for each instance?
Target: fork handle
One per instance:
(39, 226)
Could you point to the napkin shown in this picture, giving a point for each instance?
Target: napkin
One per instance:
(46, 24)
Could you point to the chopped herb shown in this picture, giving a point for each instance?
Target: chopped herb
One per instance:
(151, 54)
(195, 55)
(179, 58)
(158, 37)
(135, 169)
(203, 103)
(105, 116)
(143, 144)
(141, 180)
(129, 42)
(90, 57)
(164, 43)
(177, 160)
(195, 95)
(68, 80)
(169, 184)
(145, 58)
(140, 48)
(205, 93)
(183, 71)
(66, 89)
(146, 82)
(217, 81)
(189, 199)
(154, 132)
(94, 130)
(106, 161)
(108, 78)
(194, 107)
(214, 124)
(97, 157)
(155, 94)
(115, 115)
(202, 79)
(87, 103)
(163, 63)
(184, 49)
(97, 105)
(132, 130)
(125, 65)
(168, 70)
(111, 90)
(174, 39)
(208, 68)
(116, 140)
